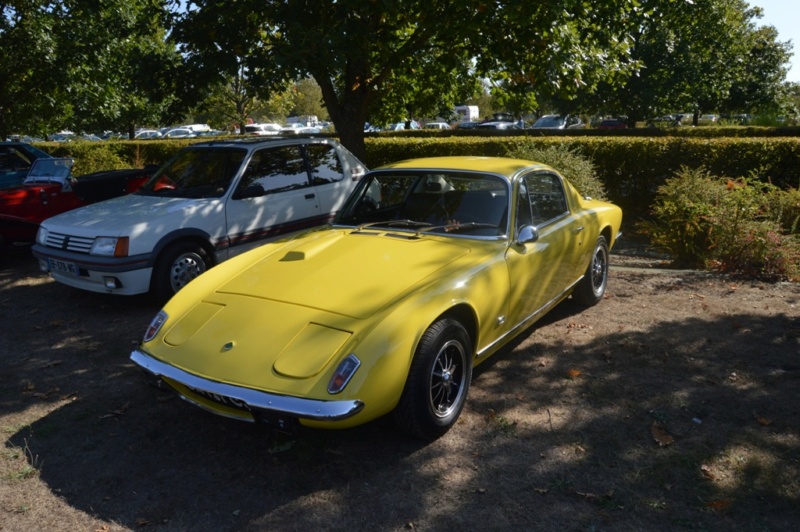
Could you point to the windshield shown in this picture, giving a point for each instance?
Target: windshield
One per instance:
(440, 201)
(196, 173)
(50, 169)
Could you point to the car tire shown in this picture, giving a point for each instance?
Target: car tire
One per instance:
(175, 267)
(438, 381)
(592, 287)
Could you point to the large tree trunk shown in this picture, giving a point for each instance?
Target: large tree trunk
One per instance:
(351, 135)
(348, 114)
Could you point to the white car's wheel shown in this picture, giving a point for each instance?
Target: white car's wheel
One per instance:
(176, 267)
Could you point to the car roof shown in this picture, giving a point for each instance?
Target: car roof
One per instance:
(498, 165)
(257, 141)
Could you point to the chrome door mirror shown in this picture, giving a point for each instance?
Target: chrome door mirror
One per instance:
(527, 234)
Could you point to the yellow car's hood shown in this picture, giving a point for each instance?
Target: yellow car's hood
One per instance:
(290, 312)
(348, 273)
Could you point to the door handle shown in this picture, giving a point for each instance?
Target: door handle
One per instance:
(577, 230)
(309, 196)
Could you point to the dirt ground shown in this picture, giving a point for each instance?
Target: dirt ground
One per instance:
(671, 405)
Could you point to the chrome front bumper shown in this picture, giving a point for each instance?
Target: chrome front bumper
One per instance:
(254, 401)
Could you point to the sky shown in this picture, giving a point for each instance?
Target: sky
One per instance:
(785, 16)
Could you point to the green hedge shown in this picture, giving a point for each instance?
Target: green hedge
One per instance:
(631, 167)
(113, 155)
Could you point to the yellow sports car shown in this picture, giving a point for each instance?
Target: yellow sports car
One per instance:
(431, 266)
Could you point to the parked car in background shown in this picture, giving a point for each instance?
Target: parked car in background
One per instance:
(299, 129)
(61, 137)
(558, 122)
(437, 125)
(212, 133)
(148, 134)
(179, 133)
(708, 120)
(432, 266)
(400, 126)
(467, 125)
(50, 189)
(211, 201)
(497, 125)
(612, 123)
(262, 129)
(16, 159)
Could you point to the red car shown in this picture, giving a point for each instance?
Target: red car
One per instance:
(49, 189)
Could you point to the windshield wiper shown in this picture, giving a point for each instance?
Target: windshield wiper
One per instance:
(458, 227)
(393, 223)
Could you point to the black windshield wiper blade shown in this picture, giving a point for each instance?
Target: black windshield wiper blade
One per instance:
(457, 227)
(393, 223)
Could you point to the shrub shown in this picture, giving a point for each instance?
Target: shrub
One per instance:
(577, 168)
(743, 226)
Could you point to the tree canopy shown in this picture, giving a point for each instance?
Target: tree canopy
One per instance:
(409, 56)
(117, 64)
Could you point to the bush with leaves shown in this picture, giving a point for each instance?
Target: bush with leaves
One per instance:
(577, 168)
(743, 226)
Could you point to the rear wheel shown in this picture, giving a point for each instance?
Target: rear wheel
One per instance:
(591, 288)
(438, 381)
(176, 267)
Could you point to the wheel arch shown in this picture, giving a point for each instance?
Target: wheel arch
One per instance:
(194, 236)
(607, 233)
(466, 316)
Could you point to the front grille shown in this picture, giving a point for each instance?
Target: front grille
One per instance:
(78, 244)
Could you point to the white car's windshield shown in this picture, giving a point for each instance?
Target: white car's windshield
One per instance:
(196, 173)
(471, 204)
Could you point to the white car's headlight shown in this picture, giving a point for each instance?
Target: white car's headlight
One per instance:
(110, 246)
(41, 236)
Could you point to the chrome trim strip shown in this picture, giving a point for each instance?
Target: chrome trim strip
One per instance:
(268, 402)
(530, 319)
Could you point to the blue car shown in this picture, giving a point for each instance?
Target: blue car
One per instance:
(16, 159)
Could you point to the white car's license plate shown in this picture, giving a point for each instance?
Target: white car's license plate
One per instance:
(63, 266)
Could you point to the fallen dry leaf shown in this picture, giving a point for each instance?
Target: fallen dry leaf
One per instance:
(660, 434)
(573, 373)
(706, 470)
(719, 504)
(764, 422)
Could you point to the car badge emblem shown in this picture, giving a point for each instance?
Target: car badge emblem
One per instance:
(227, 347)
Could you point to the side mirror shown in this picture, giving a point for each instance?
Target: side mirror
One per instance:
(253, 191)
(527, 234)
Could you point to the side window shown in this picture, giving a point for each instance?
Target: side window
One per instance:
(324, 163)
(275, 170)
(547, 197)
(523, 207)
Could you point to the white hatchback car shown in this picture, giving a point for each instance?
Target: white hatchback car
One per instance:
(210, 202)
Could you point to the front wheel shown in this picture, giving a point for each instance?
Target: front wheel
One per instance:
(591, 288)
(176, 267)
(438, 381)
